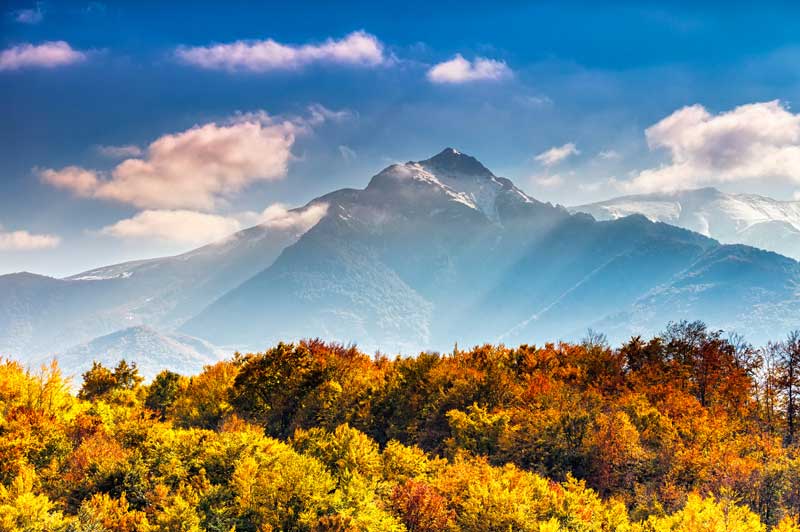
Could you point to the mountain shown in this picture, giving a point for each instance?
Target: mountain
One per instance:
(748, 219)
(429, 253)
(442, 250)
(152, 351)
(42, 315)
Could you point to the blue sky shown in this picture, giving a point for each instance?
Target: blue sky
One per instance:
(87, 85)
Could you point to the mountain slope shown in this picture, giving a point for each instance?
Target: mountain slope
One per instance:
(41, 315)
(478, 260)
(730, 218)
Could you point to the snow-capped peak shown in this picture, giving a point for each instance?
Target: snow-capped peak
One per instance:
(730, 218)
(452, 163)
(460, 177)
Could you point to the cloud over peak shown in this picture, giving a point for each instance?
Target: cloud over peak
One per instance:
(753, 141)
(460, 70)
(46, 55)
(194, 228)
(278, 216)
(356, 49)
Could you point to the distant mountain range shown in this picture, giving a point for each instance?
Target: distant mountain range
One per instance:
(430, 253)
(730, 218)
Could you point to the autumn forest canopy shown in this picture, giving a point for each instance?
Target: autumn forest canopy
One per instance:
(691, 430)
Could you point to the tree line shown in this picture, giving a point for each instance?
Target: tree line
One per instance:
(691, 430)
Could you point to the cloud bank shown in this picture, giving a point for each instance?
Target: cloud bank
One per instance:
(460, 70)
(46, 55)
(753, 141)
(356, 49)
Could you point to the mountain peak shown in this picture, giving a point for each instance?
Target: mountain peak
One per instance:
(453, 163)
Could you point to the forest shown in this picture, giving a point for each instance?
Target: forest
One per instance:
(691, 430)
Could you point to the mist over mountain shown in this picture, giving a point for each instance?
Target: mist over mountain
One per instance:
(41, 316)
(429, 253)
(748, 219)
(152, 351)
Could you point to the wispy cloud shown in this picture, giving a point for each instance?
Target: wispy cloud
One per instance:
(348, 154)
(754, 141)
(549, 181)
(594, 186)
(46, 55)
(356, 49)
(460, 70)
(609, 155)
(557, 154)
(25, 241)
(29, 16)
(119, 152)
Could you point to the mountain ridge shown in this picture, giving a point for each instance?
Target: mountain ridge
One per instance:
(428, 253)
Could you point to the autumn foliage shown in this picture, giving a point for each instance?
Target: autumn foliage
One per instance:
(688, 431)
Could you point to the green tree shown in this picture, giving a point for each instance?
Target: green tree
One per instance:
(163, 392)
(97, 382)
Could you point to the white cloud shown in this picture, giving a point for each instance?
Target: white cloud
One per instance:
(29, 16)
(557, 154)
(193, 169)
(356, 49)
(46, 55)
(25, 241)
(119, 152)
(609, 155)
(179, 226)
(753, 141)
(460, 70)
